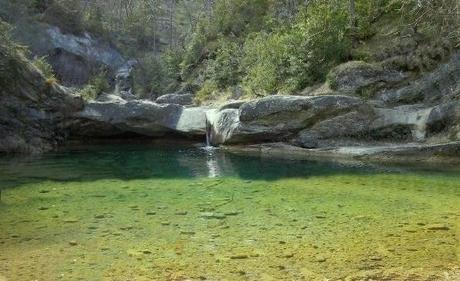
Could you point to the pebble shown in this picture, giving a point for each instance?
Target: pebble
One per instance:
(43, 208)
(188, 232)
(288, 256)
(71, 220)
(99, 216)
(151, 213)
(320, 259)
(73, 243)
(129, 227)
(235, 213)
(165, 223)
(437, 227)
(208, 215)
(146, 252)
(181, 213)
(239, 257)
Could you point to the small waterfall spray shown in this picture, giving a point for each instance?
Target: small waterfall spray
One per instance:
(208, 134)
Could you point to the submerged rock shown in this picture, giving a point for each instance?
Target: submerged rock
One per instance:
(437, 227)
(210, 215)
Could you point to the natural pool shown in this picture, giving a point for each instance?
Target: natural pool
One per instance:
(183, 213)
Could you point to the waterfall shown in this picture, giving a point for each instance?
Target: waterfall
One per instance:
(208, 133)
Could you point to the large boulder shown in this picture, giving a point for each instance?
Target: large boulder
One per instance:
(275, 117)
(115, 116)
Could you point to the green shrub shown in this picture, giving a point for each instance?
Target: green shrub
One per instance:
(224, 68)
(45, 68)
(97, 85)
(288, 60)
(206, 93)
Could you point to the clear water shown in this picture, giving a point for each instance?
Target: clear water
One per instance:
(185, 213)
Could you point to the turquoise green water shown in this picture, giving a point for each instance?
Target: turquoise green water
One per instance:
(183, 213)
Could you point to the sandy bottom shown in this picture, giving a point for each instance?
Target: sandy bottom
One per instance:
(334, 227)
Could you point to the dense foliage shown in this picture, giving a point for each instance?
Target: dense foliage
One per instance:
(255, 45)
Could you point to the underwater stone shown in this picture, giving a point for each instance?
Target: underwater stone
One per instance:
(73, 243)
(438, 227)
(320, 259)
(239, 257)
(208, 215)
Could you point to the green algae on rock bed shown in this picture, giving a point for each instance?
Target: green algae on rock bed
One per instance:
(142, 213)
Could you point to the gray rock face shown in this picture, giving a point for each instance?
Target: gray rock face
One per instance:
(355, 76)
(33, 115)
(433, 87)
(180, 99)
(75, 58)
(85, 46)
(116, 116)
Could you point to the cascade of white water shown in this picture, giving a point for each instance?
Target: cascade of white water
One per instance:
(208, 133)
